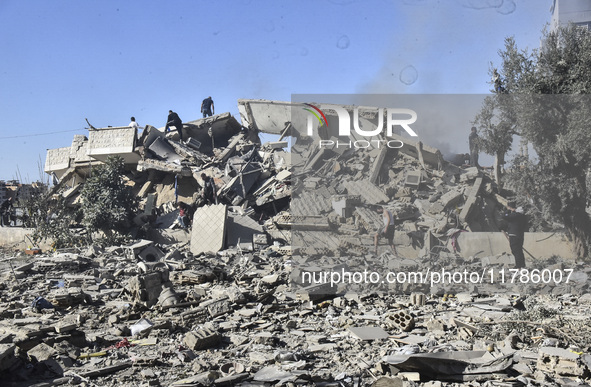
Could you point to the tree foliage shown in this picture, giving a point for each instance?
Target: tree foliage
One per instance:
(107, 204)
(547, 92)
(52, 220)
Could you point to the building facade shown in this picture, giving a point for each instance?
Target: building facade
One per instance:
(571, 11)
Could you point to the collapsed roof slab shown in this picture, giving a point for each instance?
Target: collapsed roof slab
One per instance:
(265, 116)
(274, 117)
(113, 141)
(223, 127)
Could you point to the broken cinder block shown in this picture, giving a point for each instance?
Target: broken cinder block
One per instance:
(402, 320)
(201, 339)
(560, 361)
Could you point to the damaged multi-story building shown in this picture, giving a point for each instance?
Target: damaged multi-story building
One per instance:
(438, 196)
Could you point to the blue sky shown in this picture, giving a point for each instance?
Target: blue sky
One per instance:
(64, 61)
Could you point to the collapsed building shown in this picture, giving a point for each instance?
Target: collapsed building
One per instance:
(227, 301)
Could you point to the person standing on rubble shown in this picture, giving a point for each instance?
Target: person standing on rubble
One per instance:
(208, 194)
(386, 231)
(473, 141)
(134, 124)
(174, 120)
(517, 223)
(207, 107)
(6, 212)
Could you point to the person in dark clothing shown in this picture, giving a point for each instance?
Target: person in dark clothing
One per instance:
(517, 224)
(174, 120)
(207, 107)
(6, 212)
(208, 194)
(473, 141)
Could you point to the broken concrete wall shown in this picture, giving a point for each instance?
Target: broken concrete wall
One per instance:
(57, 160)
(19, 238)
(119, 141)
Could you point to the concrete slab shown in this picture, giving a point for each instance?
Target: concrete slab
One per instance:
(241, 228)
(368, 191)
(308, 203)
(471, 200)
(119, 141)
(221, 126)
(168, 236)
(369, 333)
(265, 116)
(376, 166)
(160, 148)
(57, 160)
(542, 245)
(450, 198)
(209, 229)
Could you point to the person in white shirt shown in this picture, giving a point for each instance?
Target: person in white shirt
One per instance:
(133, 124)
(386, 231)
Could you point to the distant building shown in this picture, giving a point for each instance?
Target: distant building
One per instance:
(3, 191)
(18, 191)
(25, 191)
(571, 11)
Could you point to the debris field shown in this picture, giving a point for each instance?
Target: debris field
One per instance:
(224, 302)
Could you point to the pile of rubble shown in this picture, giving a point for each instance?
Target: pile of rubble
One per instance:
(110, 317)
(226, 301)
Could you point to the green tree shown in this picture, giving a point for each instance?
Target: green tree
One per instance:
(52, 220)
(548, 90)
(107, 204)
(496, 124)
(497, 121)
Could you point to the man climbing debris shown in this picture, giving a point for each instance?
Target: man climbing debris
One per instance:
(174, 120)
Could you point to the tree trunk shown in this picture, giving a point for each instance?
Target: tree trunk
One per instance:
(578, 225)
(499, 162)
(579, 236)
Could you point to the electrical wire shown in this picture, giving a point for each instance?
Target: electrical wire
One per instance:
(39, 134)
